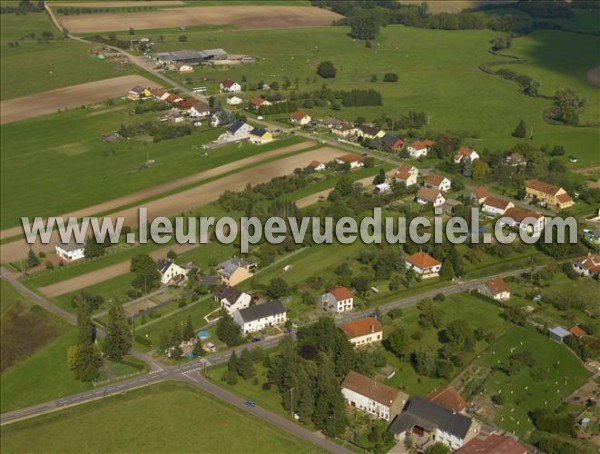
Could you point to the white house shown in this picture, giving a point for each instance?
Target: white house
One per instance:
(338, 299)
(495, 206)
(524, 219)
(261, 316)
(423, 264)
(70, 251)
(406, 175)
(170, 271)
(382, 188)
(200, 110)
(438, 182)
(363, 331)
(300, 117)
(234, 101)
(370, 132)
(495, 288)
(183, 68)
(372, 397)
(229, 86)
(354, 160)
(588, 265)
(419, 149)
(423, 421)
(231, 299)
(237, 131)
(465, 153)
(317, 166)
(430, 196)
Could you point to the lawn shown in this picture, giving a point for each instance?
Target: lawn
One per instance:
(168, 417)
(59, 63)
(562, 374)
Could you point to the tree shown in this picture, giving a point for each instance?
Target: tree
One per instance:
(188, 330)
(373, 79)
(232, 364)
(520, 131)
(380, 177)
(364, 24)
(397, 342)
(245, 367)
(438, 448)
(172, 255)
(118, 337)
(429, 315)
(227, 330)
(147, 276)
(447, 273)
(85, 361)
(326, 70)
(361, 284)
(131, 31)
(390, 77)
(423, 361)
(198, 349)
(93, 248)
(32, 259)
(278, 288)
(479, 169)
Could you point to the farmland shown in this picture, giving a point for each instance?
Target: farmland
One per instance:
(155, 419)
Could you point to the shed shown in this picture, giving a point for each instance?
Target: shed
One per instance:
(558, 333)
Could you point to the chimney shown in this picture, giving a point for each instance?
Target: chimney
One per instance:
(372, 328)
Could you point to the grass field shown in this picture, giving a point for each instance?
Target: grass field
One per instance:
(445, 84)
(57, 64)
(167, 418)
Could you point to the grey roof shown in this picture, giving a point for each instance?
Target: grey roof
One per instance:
(137, 89)
(234, 127)
(263, 310)
(163, 265)
(429, 416)
(71, 246)
(371, 130)
(228, 268)
(187, 54)
(258, 132)
(231, 294)
(389, 140)
(559, 331)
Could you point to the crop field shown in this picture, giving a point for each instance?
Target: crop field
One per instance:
(58, 63)
(241, 16)
(438, 71)
(168, 417)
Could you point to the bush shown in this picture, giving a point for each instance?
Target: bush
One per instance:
(390, 77)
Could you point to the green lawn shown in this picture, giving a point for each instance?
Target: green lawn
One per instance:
(57, 64)
(168, 417)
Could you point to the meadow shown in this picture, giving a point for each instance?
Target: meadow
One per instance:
(168, 417)
(438, 74)
(58, 63)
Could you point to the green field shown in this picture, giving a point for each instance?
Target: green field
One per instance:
(57, 64)
(167, 417)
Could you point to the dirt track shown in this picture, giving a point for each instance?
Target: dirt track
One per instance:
(170, 186)
(49, 102)
(245, 17)
(191, 198)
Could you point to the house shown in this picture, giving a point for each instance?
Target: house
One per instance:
(448, 398)
(338, 299)
(492, 444)
(419, 148)
(577, 331)
(479, 194)
(344, 130)
(549, 194)
(230, 86)
(370, 132)
(363, 331)
(495, 288)
(391, 142)
(70, 251)
(160, 94)
(558, 333)
(514, 160)
(438, 182)
(317, 166)
(524, 219)
(406, 175)
(185, 104)
(354, 160)
(426, 421)
(260, 136)
(423, 264)
(192, 57)
(234, 101)
(173, 99)
(261, 316)
(588, 265)
(495, 206)
(450, 205)
(237, 131)
(235, 270)
(184, 68)
(139, 92)
(199, 110)
(257, 103)
(382, 188)
(231, 299)
(430, 195)
(372, 397)
(465, 153)
(170, 271)
(300, 117)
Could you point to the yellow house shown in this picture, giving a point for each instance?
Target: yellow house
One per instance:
(259, 136)
(139, 92)
(235, 270)
(549, 194)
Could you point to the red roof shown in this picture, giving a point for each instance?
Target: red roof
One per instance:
(186, 103)
(518, 214)
(590, 262)
(428, 194)
(258, 101)
(541, 186)
(315, 164)
(404, 171)
(158, 92)
(463, 152)
(362, 327)
(497, 286)
(422, 260)
(299, 115)
(480, 192)
(448, 398)
(492, 444)
(350, 158)
(420, 145)
(497, 202)
(434, 180)
(564, 198)
(227, 83)
(172, 98)
(577, 331)
(341, 293)
(371, 388)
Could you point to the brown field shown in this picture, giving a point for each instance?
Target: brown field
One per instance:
(453, 6)
(50, 101)
(106, 207)
(191, 198)
(245, 17)
(116, 4)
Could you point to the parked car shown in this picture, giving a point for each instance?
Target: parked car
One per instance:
(250, 403)
(256, 339)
